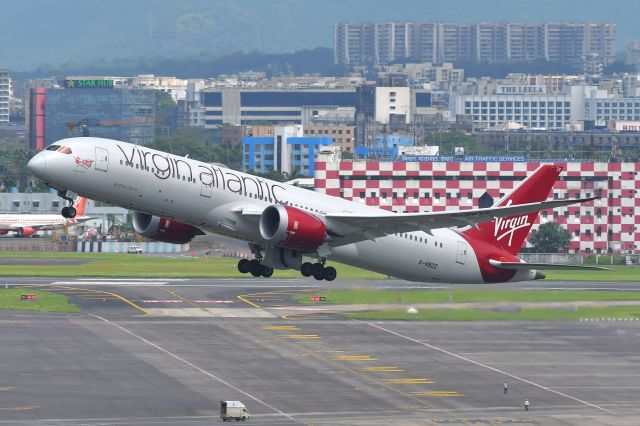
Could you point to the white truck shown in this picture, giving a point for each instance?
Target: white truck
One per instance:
(230, 410)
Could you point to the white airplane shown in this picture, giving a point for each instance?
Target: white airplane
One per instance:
(25, 225)
(176, 198)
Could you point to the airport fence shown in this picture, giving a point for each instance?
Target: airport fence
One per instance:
(34, 245)
(123, 246)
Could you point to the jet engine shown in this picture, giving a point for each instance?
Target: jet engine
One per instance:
(160, 228)
(291, 227)
(27, 231)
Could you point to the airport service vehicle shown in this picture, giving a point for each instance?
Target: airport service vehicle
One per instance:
(233, 410)
(176, 198)
(25, 225)
(134, 250)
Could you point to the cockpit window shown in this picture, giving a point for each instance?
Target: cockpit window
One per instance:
(60, 149)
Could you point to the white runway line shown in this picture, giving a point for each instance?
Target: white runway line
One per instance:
(195, 367)
(489, 368)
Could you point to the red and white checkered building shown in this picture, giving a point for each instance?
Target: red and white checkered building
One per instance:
(610, 223)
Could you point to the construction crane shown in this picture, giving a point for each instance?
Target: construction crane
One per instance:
(86, 123)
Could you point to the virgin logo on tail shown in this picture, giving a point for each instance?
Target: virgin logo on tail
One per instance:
(509, 225)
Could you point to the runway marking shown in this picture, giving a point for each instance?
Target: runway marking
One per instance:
(139, 279)
(7, 388)
(354, 358)
(382, 369)
(513, 376)
(117, 296)
(438, 393)
(281, 327)
(409, 381)
(162, 301)
(25, 408)
(195, 367)
(242, 298)
(302, 336)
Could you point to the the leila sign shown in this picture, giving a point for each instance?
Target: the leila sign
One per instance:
(517, 89)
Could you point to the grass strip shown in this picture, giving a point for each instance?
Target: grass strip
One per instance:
(367, 296)
(47, 302)
(532, 314)
(123, 265)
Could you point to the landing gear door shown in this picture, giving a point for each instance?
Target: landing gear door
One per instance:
(102, 159)
(461, 256)
(207, 185)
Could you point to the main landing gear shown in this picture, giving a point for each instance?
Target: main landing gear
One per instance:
(254, 267)
(318, 271)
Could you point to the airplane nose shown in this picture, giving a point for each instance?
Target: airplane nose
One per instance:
(38, 165)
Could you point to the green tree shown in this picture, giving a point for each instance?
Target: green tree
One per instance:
(166, 113)
(13, 169)
(550, 237)
(195, 142)
(447, 141)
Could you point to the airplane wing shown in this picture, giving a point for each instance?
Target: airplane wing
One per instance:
(546, 266)
(354, 227)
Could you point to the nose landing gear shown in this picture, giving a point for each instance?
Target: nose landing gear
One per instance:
(69, 211)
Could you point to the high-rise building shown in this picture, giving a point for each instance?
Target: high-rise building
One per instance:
(92, 106)
(633, 53)
(574, 43)
(5, 82)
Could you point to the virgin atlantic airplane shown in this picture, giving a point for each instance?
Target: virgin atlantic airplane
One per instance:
(176, 198)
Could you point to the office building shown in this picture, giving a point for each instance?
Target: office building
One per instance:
(286, 150)
(5, 94)
(271, 106)
(93, 107)
(574, 43)
(342, 136)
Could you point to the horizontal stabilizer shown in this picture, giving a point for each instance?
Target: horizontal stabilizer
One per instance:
(545, 266)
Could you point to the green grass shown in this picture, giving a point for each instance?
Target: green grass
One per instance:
(123, 265)
(367, 296)
(619, 274)
(48, 302)
(534, 314)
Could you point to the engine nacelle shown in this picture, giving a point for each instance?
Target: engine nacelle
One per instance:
(290, 227)
(163, 229)
(27, 231)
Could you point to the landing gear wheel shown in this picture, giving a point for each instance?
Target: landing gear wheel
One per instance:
(65, 212)
(317, 268)
(306, 269)
(243, 266)
(319, 275)
(255, 268)
(330, 273)
(72, 212)
(266, 272)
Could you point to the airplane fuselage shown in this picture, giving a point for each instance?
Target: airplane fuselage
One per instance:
(213, 197)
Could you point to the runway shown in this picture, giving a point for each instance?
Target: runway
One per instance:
(115, 364)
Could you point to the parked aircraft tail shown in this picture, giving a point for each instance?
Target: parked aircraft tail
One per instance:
(80, 204)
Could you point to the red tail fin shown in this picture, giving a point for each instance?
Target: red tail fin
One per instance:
(80, 203)
(509, 233)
